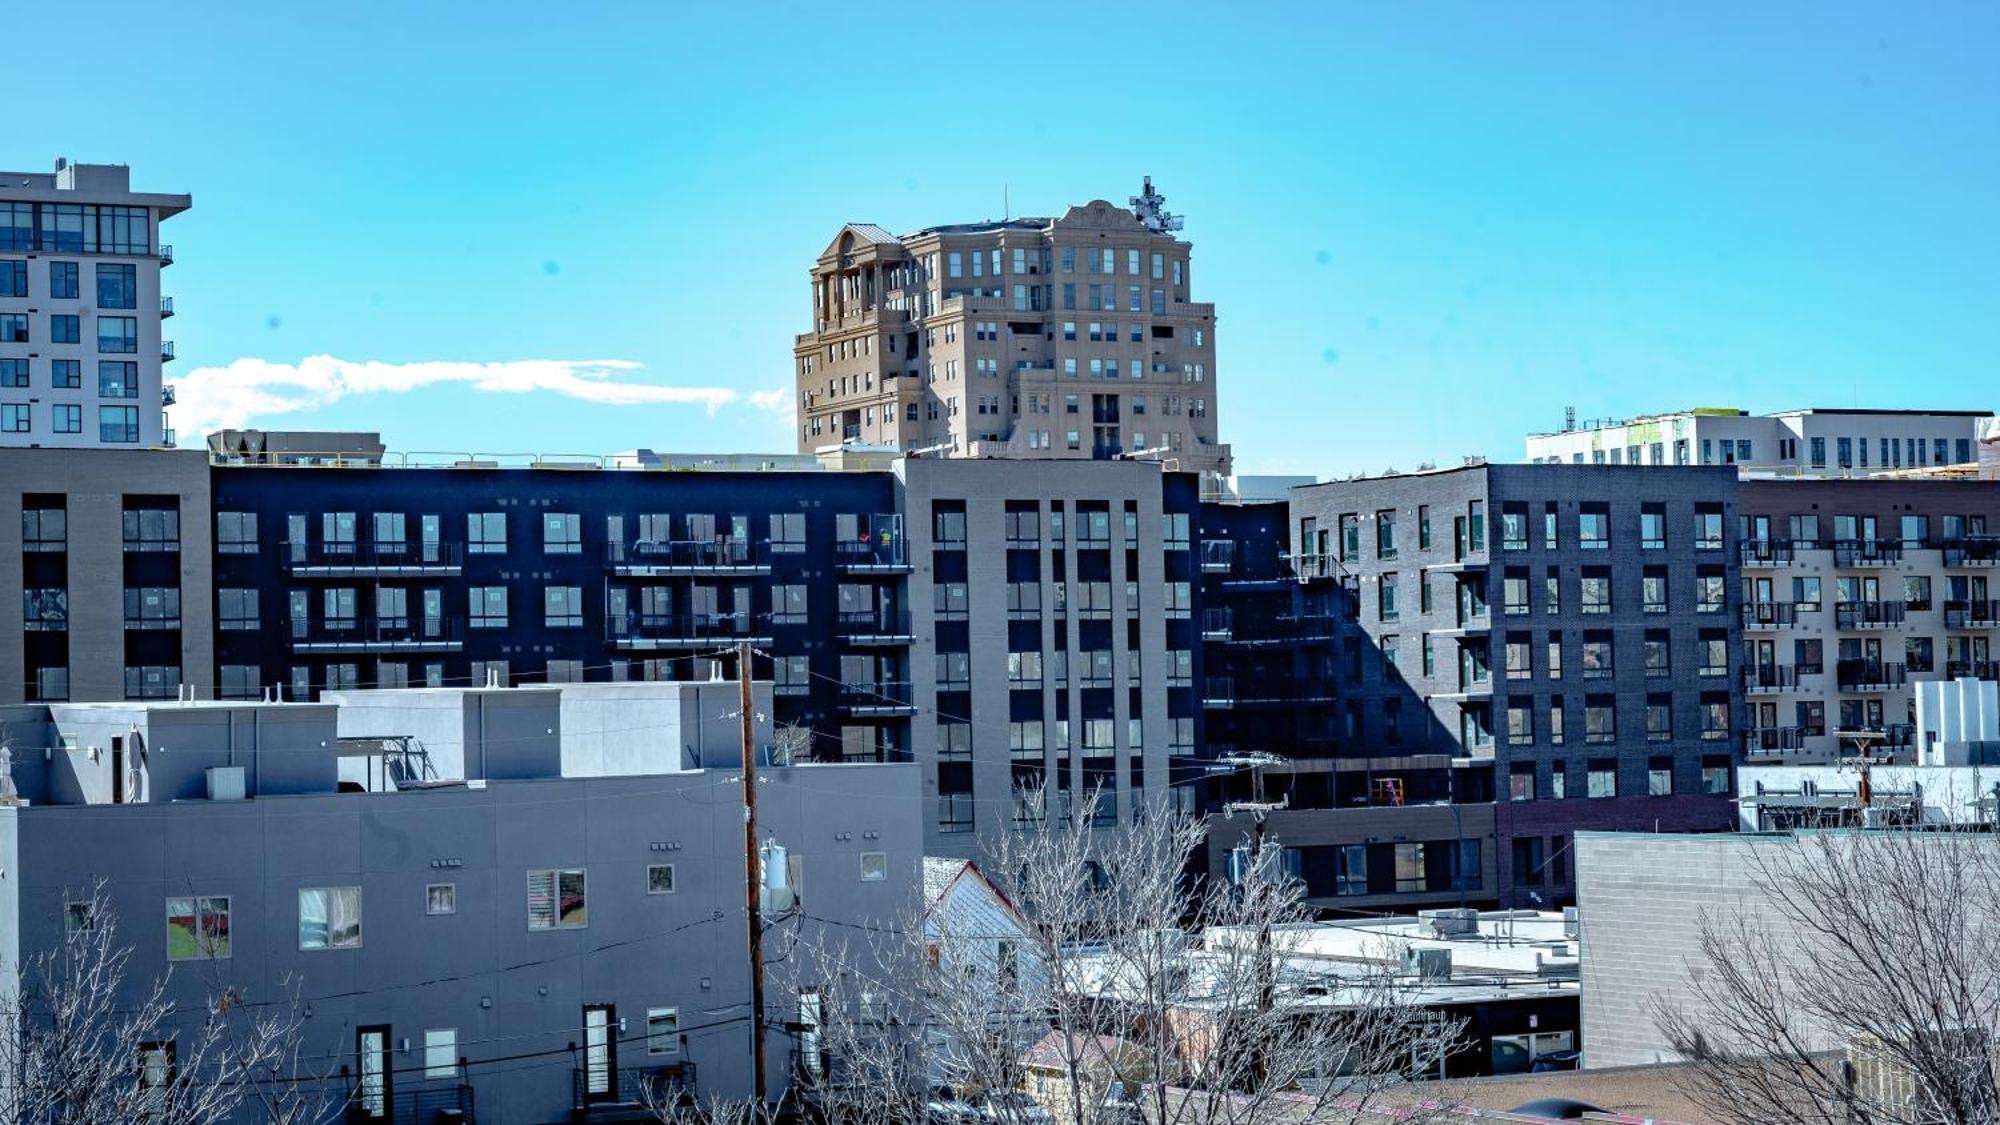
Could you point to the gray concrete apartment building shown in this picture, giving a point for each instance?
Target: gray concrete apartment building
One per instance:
(587, 930)
(1550, 647)
(1060, 645)
(82, 315)
(1065, 338)
(106, 603)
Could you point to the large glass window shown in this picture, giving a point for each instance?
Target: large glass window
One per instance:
(117, 285)
(117, 378)
(198, 928)
(486, 533)
(489, 607)
(62, 279)
(330, 918)
(562, 607)
(556, 899)
(118, 335)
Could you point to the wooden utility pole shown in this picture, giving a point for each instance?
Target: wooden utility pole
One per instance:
(753, 872)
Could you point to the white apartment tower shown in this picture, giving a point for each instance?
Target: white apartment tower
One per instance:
(1068, 338)
(81, 314)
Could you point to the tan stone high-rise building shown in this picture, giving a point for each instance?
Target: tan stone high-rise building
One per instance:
(1044, 338)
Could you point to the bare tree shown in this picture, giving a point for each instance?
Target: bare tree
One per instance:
(83, 1042)
(1853, 981)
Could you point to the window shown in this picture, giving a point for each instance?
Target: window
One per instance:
(198, 928)
(660, 879)
(663, 1031)
(562, 607)
(1708, 527)
(1653, 527)
(1600, 719)
(1711, 590)
(1386, 603)
(1593, 527)
(14, 330)
(62, 281)
(118, 335)
(237, 609)
(1514, 592)
(1597, 655)
(1423, 527)
(1715, 776)
(489, 607)
(1595, 590)
(441, 898)
(15, 418)
(1521, 732)
(1601, 779)
(440, 1052)
(561, 533)
(117, 378)
(65, 373)
(117, 285)
(1514, 527)
(66, 417)
(1385, 534)
(79, 917)
(118, 424)
(1549, 534)
(1659, 718)
(874, 867)
(556, 899)
(1714, 715)
(1410, 874)
(152, 607)
(330, 918)
(65, 328)
(14, 279)
(486, 533)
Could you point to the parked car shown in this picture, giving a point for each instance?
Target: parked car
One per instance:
(943, 1107)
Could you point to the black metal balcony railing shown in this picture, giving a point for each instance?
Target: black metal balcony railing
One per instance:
(1769, 615)
(883, 696)
(1853, 553)
(670, 628)
(1870, 675)
(1879, 736)
(1977, 551)
(871, 555)
(1867, 615)
(660, 1086)
(1765, 552)
(1772, 740)
(1316, 566)
(378, 633)
(1972, 669)
(1228, 691)
(875, 625)
(1217, 624)
(1218, 556)
(372, 558)
(1770, 677)
(166, 351)
(416, 1105)
(727, 555)
(166, 307)
(1971, 615)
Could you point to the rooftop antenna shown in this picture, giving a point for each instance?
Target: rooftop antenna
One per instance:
(1150, 207)
(1006, 204)
(1569, 419)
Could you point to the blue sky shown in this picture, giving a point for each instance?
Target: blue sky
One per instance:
(1426, 228)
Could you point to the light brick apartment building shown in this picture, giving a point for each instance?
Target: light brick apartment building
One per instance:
(1063, 338)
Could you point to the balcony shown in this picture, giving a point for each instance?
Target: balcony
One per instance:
(1870, 675)
(386, 560)
(1877, 737)
(1217, 624)
(413, 1104)
(1858, 554)
(1971, 615)
(647, 558)
(166, 254)
(166, 307)
(875, 627)
(1765, 679)
(1867, 615)
(167, 395)
(166, 351)
(1316, 567)
(629, 1093)
(871, 558)
(1283, 630)
(1972, 669)
(1770, 615)
(1759, 741)
(1218, 556)
(380, 634)
(877, 697)
(639, 631)
(1765, 552)
(1981, 551)
(1227, 692)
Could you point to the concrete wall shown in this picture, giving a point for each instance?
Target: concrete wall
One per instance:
(288, 749)
(508, 991)
(611, 730)
(491, 733)
(96, 569)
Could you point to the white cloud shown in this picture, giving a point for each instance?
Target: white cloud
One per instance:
(253, 391)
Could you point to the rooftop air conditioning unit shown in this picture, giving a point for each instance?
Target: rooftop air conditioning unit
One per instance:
(1572, 925)
(1454, 922)
(225, 783)
(1429, 964)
